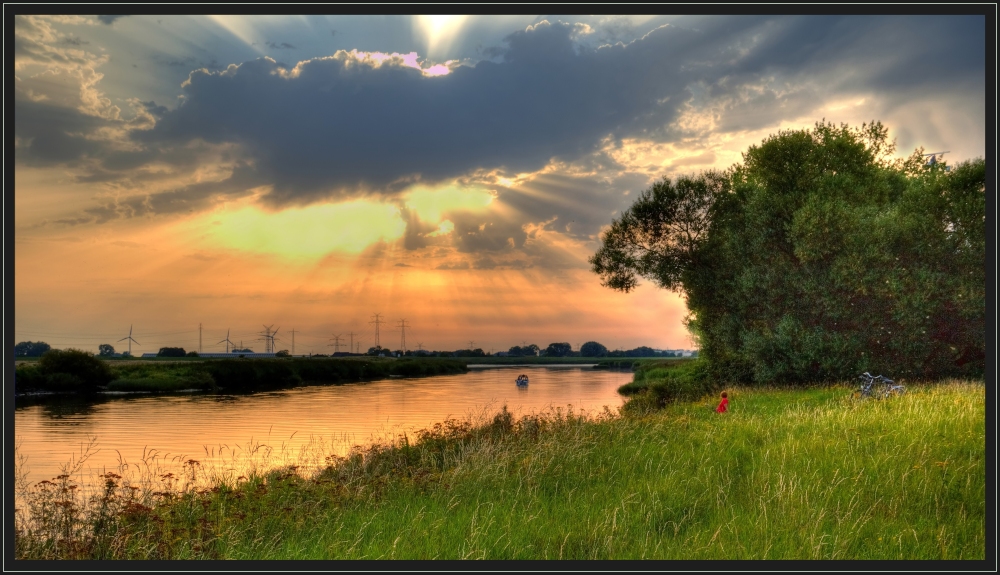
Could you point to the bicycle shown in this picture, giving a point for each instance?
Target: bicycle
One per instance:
(878, 386)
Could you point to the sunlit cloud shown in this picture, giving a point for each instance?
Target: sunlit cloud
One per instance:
(300, 232)
(431, 203)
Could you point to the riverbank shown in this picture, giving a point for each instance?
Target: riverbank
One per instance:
(80, 374)
(786, 474)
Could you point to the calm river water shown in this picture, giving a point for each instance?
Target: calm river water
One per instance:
(228, 433)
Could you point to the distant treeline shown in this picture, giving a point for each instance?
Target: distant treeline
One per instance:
(80, 372)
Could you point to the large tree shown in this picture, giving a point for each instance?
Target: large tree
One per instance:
(593, 349)
(817, 257)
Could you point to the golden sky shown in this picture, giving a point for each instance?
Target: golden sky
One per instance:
(238, 172)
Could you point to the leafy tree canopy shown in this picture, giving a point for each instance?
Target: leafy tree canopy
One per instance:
(171, 352)
(818, 257)
(593, 349)
(558, 349)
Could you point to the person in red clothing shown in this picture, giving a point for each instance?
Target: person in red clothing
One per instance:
(724, 404)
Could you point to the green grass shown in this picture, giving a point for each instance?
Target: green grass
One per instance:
(786, 474)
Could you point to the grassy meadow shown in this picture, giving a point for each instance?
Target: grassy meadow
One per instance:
(786, 474)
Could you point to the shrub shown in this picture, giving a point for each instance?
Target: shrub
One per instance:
(91, 372)
(665, 382)
(171, 352)
(235, 374)
(28, 378)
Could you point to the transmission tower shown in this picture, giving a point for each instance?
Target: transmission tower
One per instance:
(402, 338)
(293, 341)
(377, 321)
(472, 345)
(269, 338)
(199, 337)
(351, 349)
(336, 343)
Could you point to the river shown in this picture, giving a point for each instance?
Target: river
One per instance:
(229, 434)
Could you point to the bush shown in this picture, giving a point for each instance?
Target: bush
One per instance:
(28, 378)
(91, 373)
(665, 382)
(234, 374)
(192, 354)
(171, 352)
(61, 381)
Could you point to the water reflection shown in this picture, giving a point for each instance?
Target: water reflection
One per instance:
(289, 425)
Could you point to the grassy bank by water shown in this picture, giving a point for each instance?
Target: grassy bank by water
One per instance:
(87, 374)
(786, 474)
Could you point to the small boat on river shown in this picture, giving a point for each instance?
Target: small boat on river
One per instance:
(522, 380)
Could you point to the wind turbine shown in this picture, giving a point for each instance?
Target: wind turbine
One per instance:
(273, 333)
(130, 340)
(228, 343)
(269, 338)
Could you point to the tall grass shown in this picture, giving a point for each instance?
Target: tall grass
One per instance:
(786, 474)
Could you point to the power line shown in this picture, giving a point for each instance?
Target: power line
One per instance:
(402, 339)
(336, 343)
(377, 321)
(351, 349)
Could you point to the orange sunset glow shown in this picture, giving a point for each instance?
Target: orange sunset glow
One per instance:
(235, 172)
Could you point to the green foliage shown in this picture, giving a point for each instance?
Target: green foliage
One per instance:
(282, 353)
(28, 379)
(105, 350)
(73, 370)
(162, 378)
(171, 352)
(31, 348)
(593, 349)
(192, 354)
(662, 382)
(819, 258)
(250, 374)
(558, 349)
(236, 374)
(527, 350)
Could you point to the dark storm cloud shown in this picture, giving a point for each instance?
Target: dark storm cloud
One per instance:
(339, 128)
(281, 46)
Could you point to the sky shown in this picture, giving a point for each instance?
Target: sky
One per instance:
(309, 172)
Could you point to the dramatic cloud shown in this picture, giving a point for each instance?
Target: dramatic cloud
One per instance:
(366, 161)
(338, 126)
